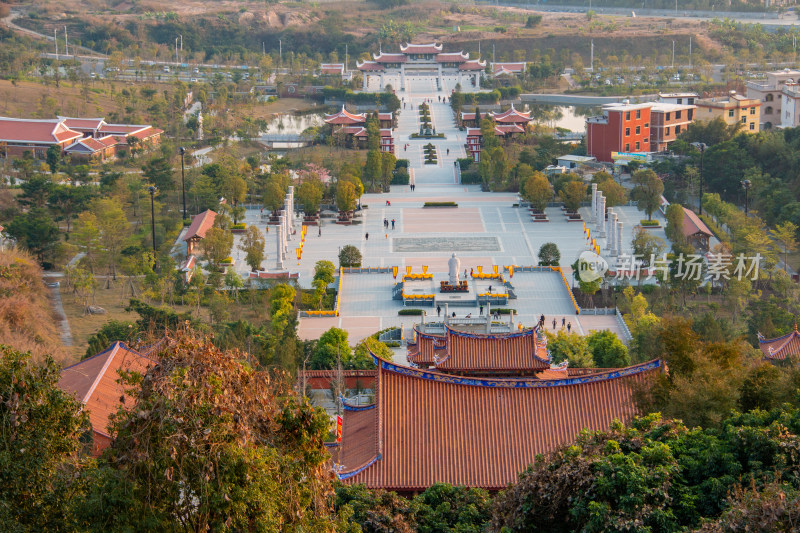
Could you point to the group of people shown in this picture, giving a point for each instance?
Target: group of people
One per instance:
(386, 223)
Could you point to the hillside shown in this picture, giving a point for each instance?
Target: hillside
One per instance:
(27, 321)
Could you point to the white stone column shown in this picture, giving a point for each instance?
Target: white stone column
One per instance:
(619, 237)
(612, 233)
(602, 215)
(279, 241)
(381, 83)
(364, 78)
(594, 202)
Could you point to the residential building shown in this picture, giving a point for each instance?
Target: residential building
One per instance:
(667, 121)
(90, 138)
(422, 60)
(732, 109)
(571, 162)
(677, 98)
(790, 105)
(95, 382)
(768, 92)
(533, 408)
(623, 127)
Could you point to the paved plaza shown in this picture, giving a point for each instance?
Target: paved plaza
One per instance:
(484, 230)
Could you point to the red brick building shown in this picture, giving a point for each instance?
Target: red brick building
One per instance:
(621, 128)
(667, 122)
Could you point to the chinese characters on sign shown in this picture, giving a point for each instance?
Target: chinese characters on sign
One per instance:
(692, 267)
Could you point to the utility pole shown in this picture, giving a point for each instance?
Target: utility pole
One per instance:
(673, 54)
(183, 181)
(591, 60)
(55, 40)
(690, 51)
(152, 190)
(66, 42)
(177, 63)
(280, 51)
(345, 58)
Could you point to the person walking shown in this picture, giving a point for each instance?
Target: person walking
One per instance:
(563, 322)
(320, 229)
(481, 313)
(366, 236)
(438, 310)
(569, 327)
(392, 223)
(554, 324)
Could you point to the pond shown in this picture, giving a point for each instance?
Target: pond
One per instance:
(293, 124)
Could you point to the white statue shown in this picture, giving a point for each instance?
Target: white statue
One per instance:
(454, 266)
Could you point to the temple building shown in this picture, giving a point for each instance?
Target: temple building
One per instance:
(354, 125)
(507, 124)
(781, 348)
(422, 60)
(428, 426)
(467, 353)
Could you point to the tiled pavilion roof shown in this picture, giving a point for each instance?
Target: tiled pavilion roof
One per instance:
(427, 427)
(781, 348)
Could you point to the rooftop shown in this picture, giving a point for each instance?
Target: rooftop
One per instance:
(429, 427)
(36, 131)
(96, 381)
(662, 107)
(201, 223)
(781, 348)
(692, 224)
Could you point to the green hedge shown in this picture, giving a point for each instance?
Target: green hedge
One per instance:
(239, 226)
(649, 223)
(410, 311)
(440, 204)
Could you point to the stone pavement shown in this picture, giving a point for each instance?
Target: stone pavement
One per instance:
(485, 230)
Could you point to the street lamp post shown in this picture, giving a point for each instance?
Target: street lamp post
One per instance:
(746, 184)
(702, 148)
(183, 181)
(152, 190)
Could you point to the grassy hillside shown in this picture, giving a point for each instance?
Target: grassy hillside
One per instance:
(27, 321)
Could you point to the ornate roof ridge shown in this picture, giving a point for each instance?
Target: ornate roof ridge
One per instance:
(516, 383)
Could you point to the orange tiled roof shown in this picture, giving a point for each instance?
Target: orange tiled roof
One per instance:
(345, 117)
(472, 64)
(36, 131)
(460, 351)
(511, 116)
(200, 224)
(95, 382)
(781, 348)
(693, 225)
(369, 65)
(457, 57)
(389, 58)
(432, 427)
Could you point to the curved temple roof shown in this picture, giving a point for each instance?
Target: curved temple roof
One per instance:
(429, 427)
(780, 348)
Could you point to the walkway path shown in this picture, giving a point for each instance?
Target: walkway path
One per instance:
(486, 229)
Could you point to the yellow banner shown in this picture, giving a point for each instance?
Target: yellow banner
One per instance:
(424, 269)
(511, 271)
(408, 271)
(480, 270)
(299, 252)
(394, 272)
(494, 267)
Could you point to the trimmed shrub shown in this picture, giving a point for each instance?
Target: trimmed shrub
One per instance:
(410, 311)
